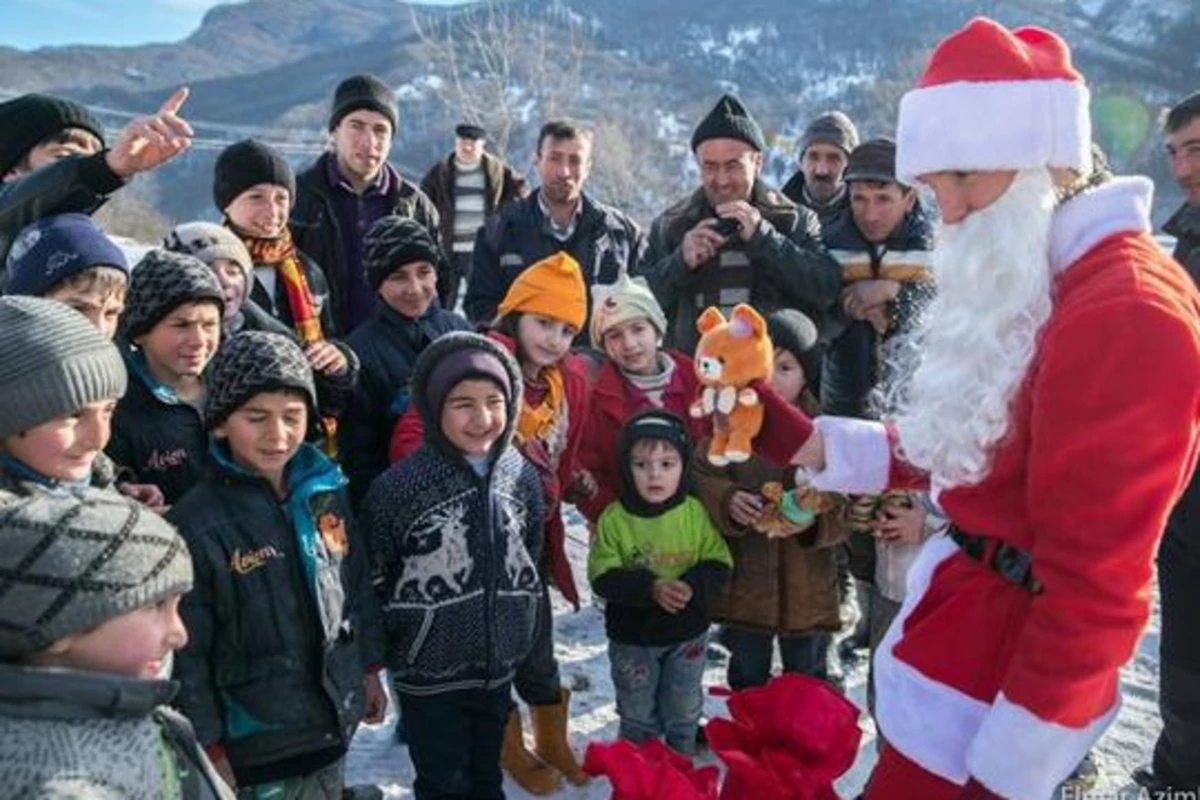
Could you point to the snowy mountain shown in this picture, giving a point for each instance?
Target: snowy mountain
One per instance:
(640, 71)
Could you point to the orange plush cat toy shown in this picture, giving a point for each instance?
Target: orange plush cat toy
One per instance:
(730, 356)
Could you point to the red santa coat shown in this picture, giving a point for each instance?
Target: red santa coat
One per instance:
(979, 678)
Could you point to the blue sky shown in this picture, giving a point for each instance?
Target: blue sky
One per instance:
(29, 24)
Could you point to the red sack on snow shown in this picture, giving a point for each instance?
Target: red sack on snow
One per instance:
(649, 771)
(788, 740)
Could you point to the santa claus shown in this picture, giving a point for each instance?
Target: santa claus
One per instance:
(1053, 413)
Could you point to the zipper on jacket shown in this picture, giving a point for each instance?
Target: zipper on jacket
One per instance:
(489, 586)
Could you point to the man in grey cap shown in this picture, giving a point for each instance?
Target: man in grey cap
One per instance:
(468, 187)
(824, 152)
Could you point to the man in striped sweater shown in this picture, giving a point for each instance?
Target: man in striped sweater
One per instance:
(467, 186)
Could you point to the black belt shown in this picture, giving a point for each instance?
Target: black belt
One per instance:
(1011, 563)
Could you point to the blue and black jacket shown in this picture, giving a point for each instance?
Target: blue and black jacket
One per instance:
(282, 621)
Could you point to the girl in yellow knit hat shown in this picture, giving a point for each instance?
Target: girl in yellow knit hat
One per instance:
(544, 310)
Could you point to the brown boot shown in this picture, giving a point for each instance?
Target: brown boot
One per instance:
(550, 739)
(529, 771)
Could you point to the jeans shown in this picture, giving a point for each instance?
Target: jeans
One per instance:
(324, 784)
(454, 741)
(659, 690)
(537, 679)
(750, 655)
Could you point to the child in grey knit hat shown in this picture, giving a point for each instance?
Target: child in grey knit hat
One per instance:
(88, 615)
(60, 379)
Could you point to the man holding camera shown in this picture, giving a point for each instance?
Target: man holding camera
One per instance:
(734, 240)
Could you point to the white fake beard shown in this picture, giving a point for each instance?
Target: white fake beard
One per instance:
(957, 376)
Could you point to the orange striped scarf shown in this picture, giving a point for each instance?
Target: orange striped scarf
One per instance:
(281, 254)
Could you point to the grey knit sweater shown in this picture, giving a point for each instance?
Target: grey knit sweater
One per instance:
(67, 734)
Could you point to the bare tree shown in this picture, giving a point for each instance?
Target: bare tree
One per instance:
(505, 66)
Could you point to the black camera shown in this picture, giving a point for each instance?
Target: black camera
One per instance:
(727, 226)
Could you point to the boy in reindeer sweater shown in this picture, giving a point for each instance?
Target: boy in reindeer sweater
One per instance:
(456, 535)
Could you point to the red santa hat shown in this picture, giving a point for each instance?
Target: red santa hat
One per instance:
(995, 99)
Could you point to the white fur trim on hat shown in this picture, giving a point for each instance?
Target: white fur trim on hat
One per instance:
(994, 125)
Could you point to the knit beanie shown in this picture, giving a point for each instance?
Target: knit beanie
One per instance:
(652, 425)
(209, 242)
(461, 365)
(455, 357)
(28, 120)
(253, 362)
(552, 287)
(248, 163)
(163, 281)
(53, 249)
(729, 119)
(391, 243)
(625, 299)
(873, 160)
(794, 332)
(833, 128)
(72, 561)
(363, 91)
(53, 361)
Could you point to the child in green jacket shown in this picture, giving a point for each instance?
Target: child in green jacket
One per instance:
(657, 559)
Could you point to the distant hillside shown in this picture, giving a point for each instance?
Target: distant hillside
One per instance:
(641, 72)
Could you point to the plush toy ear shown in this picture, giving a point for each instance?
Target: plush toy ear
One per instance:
(711, 318)
(747, 322)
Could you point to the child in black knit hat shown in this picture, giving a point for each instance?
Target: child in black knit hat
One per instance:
(402, 263)
(657, 559)
(53, 159)
(283, 660)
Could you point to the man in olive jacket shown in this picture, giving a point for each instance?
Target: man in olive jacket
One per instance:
(734, 240)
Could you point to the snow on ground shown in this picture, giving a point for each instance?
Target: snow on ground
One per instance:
(581, 649)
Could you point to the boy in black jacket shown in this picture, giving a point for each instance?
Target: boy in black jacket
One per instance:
(170, 329)
(403, 264)
(280, 666)
(456, 534)
(657, 559)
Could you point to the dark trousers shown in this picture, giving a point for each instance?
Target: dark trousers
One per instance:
(538, 681)
(450, 279)
(1177, 753)
(454, 742)
(750, 655)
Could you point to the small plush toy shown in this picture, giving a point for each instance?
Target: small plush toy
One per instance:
(730, 356)
(791, 512)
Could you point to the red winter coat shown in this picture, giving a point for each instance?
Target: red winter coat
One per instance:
(407, 436)
(979, 678)
(614, 401)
